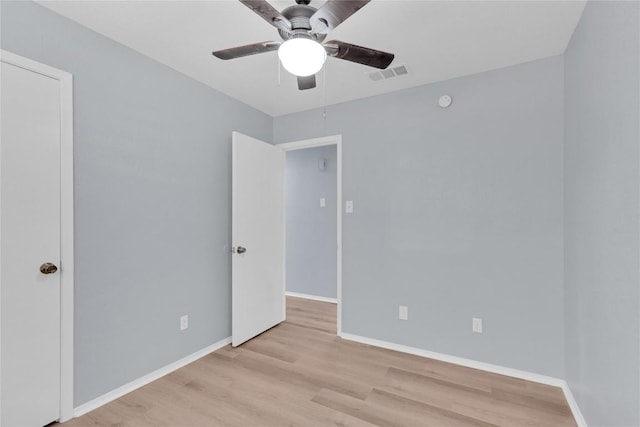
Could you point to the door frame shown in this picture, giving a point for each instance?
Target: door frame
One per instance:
(66, 222)
(321, 142)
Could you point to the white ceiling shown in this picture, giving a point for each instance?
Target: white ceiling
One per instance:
(437, 40)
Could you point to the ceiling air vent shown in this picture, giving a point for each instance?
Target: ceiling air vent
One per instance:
(376, 75)
(389, 73)
(400, 70)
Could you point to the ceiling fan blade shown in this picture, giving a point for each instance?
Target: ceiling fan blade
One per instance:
(359, 54)
(246, 50)
(307, 82)
(334, 13)
(268, 13)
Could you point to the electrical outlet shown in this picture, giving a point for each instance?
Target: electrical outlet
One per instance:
(184, 322)
(476, 325)
(403, 312)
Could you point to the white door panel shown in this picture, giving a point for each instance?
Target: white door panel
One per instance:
(258, 301)
(30, 230)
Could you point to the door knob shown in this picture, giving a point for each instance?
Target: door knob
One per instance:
(241, 250)
(48, 268)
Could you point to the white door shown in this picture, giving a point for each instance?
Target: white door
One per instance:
(30, 238)
(258, 300)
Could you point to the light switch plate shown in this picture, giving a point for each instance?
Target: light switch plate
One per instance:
(403, 312)
(348, 206)
(323, 202)
(476, 325)
(184, 322)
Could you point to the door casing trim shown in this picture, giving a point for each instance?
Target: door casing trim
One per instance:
(320, 142)
(66, 222)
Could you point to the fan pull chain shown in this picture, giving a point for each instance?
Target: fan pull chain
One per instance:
(324, 95)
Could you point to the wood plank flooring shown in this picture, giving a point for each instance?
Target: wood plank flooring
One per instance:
(300, 374)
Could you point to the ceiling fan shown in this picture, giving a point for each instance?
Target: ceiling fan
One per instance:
(303, 29)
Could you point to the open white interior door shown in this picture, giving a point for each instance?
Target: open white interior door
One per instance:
(30, 248)
(257, 267)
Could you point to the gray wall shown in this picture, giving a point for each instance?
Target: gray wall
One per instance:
(152, 199)
(311, 230)
(458, 214)
(602, 184)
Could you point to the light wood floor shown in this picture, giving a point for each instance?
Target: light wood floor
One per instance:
(300, 374)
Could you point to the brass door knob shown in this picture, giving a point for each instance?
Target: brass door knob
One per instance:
(48, 268)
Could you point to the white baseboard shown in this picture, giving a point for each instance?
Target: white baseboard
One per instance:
(575, 410)
(150, 377)
(488, 367)
(496, 369)
(515, 373)
(313, 297)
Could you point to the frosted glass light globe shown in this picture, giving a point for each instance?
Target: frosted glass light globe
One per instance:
(302, 57)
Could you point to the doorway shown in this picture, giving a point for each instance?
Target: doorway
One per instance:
(313, 177)
(36, 235)
(258, 233)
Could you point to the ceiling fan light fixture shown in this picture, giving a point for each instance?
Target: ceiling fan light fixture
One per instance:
(302, 56)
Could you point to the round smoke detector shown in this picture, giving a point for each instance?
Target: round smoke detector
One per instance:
(444, 101)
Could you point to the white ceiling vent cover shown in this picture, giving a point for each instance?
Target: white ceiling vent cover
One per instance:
(389, 73)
